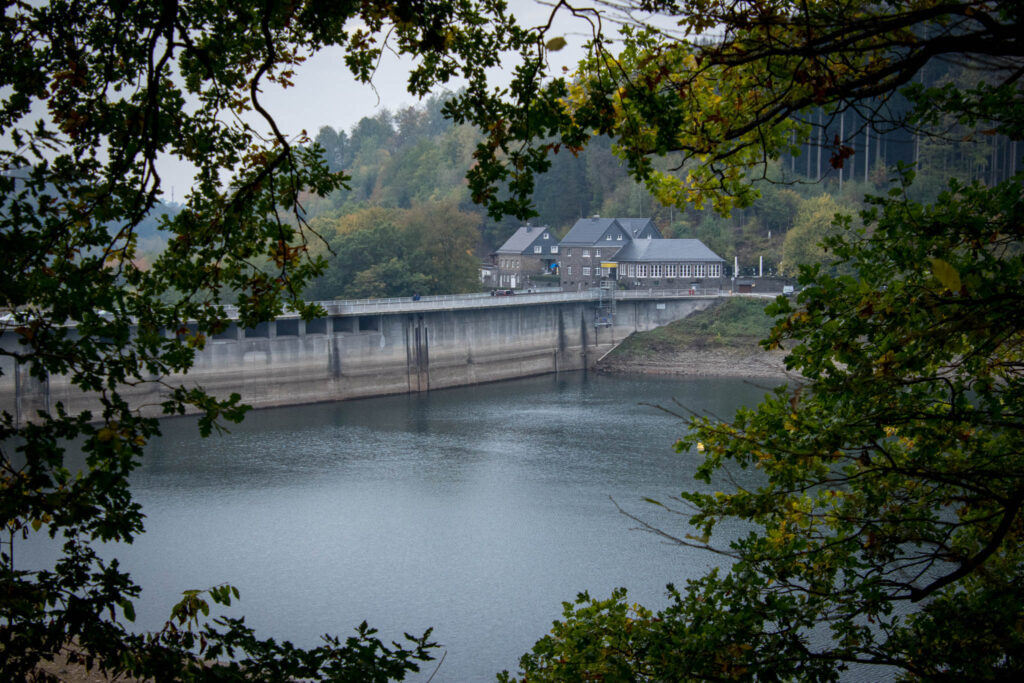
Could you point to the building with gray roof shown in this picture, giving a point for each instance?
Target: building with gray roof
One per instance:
(531, 250)
(594, 239)
(665, 263)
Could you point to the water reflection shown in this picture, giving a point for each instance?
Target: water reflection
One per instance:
(475, 510)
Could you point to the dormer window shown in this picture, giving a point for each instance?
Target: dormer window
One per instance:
(608, 237)
(546, 236)
(618, 236)
(538, 249)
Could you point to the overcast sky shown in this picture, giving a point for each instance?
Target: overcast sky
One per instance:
(326, 94)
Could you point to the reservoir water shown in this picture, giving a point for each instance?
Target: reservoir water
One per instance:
(475, 511)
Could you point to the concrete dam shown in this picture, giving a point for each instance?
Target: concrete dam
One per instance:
(378, 347)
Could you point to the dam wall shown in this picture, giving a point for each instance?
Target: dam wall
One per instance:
(357, 352)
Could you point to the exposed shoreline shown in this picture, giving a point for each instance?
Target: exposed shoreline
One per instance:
(740, 361)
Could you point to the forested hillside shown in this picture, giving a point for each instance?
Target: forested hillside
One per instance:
(406, 224)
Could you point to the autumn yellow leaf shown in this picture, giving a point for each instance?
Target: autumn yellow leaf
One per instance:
(556, 44)
(946, 274)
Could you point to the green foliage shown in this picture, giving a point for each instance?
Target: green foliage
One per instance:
(756, 246)
(95, 95)
(889, 513)
(816, 220)
(886, 528)
(427, 249)
(728, 110)
(424, 162)
(777, 209)
(599, 640)
(717, 232)
(736, 321)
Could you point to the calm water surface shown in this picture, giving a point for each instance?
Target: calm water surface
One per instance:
(476, 511)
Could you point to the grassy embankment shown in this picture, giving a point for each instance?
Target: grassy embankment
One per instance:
(735, 323)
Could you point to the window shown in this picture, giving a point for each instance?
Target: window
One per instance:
(608, 237)
(538, 249)
(619, 236)
(546, 236)
(554, 249)
(568, 270)
(586, 271)
(597, 253)
(641, 270)
(586, 253)
(568, 252)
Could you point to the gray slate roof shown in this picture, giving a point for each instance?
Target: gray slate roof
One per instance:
(522, 240)
(634, 226)
(657, 250)
(590, 230)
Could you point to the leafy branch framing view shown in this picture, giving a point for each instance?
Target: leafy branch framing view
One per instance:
(889, 518)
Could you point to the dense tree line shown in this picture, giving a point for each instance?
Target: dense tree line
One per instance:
(886, 532)
(378, 252)
(417, 156)
(93, 97)
(888, 528)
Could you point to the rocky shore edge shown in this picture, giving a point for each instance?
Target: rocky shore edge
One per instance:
(743, 361)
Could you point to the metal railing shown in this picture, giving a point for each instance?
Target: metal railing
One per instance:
(488, 300)
(336, 307)
(448, 302)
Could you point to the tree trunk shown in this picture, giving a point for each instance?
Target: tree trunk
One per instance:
(867, 152)
(817, 173)
(842, 139)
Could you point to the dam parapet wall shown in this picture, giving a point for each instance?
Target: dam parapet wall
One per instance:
(380, 347)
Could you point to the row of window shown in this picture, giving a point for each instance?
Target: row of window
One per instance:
(586, 253)
(638, 269)
(672, 270)
(538, 249)
(603, 272)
